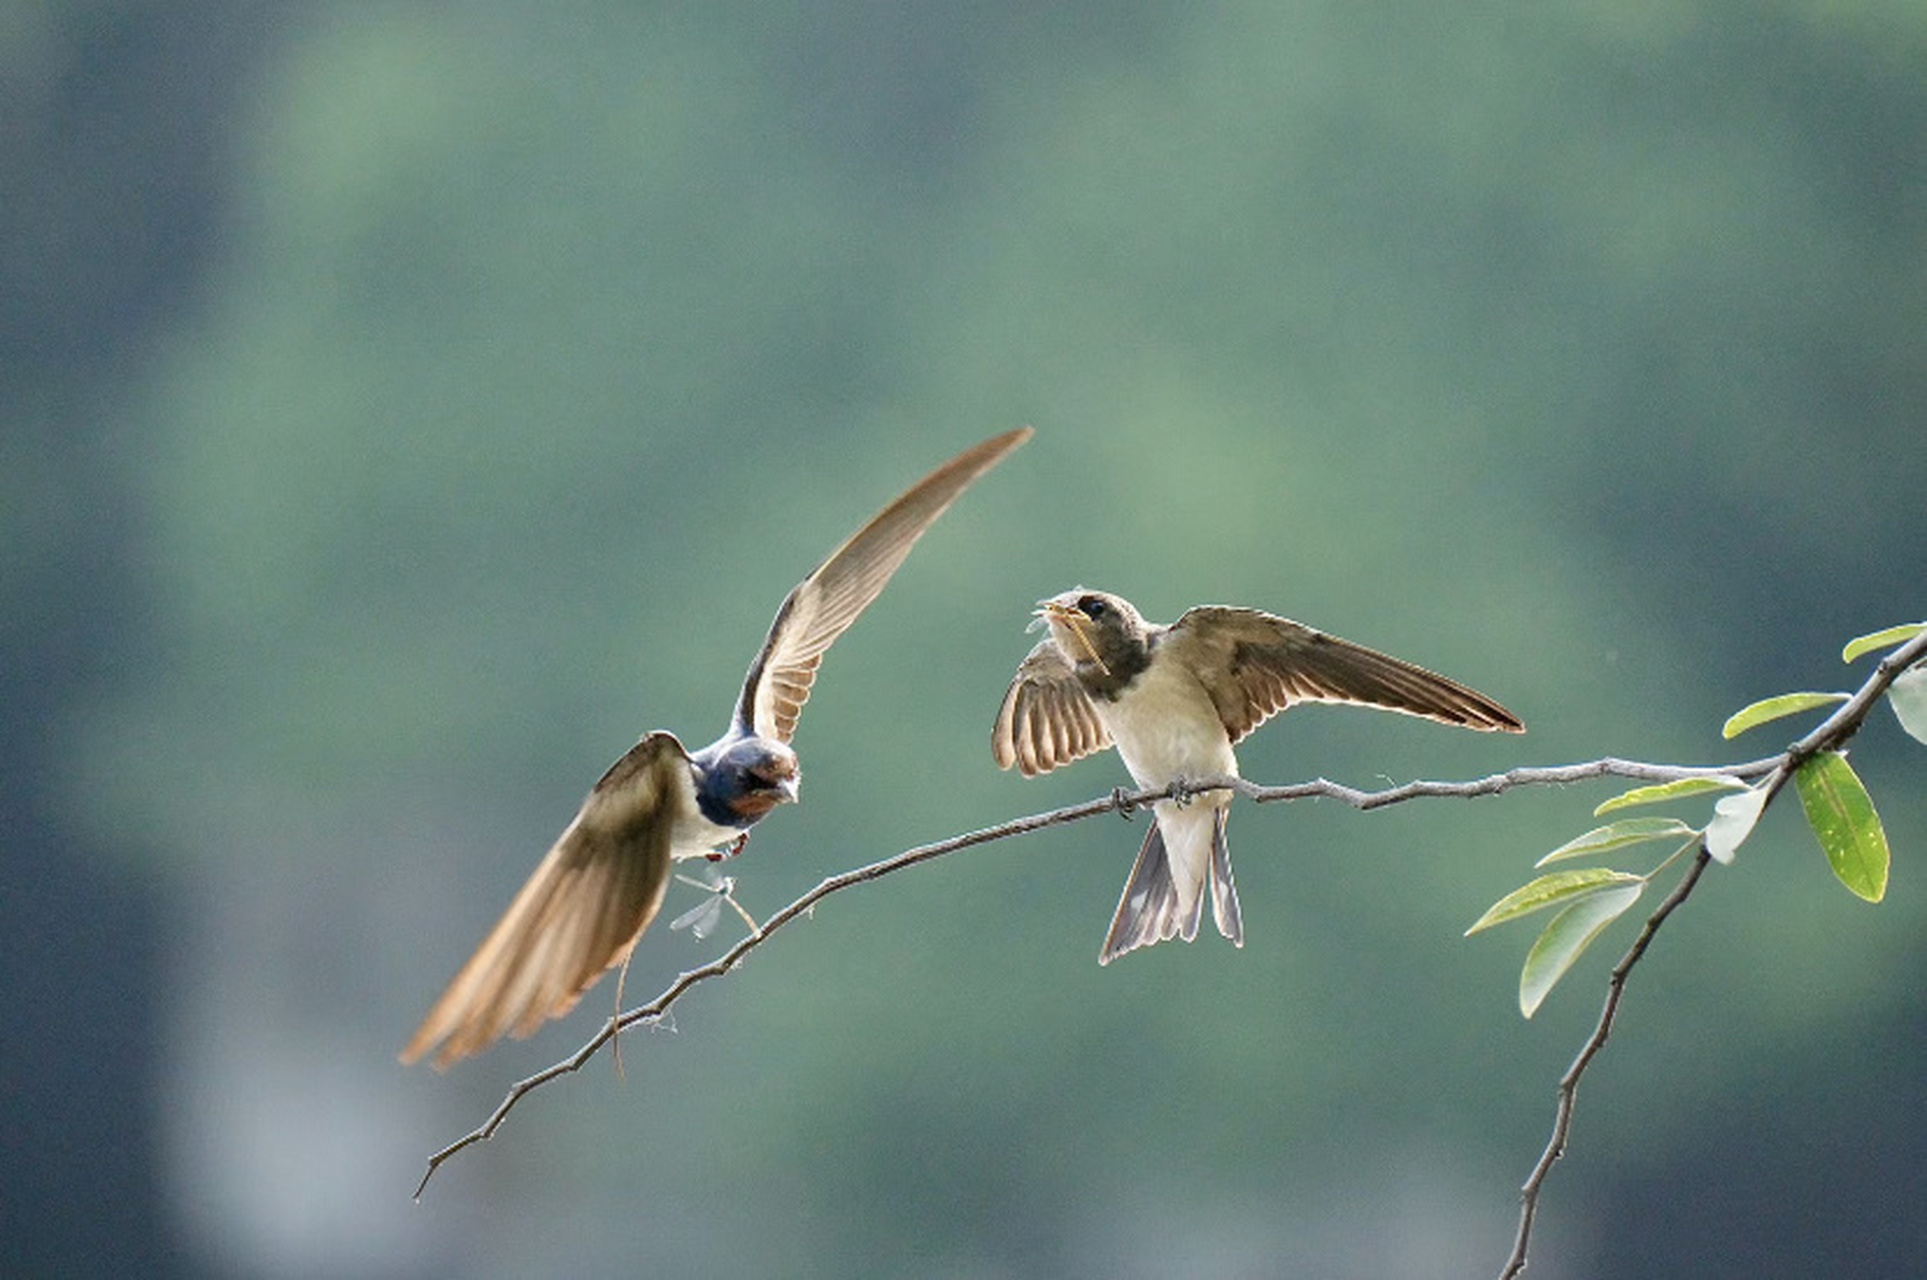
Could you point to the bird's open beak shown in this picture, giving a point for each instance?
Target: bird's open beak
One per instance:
(1040, 616)
(789, 789)
(1076, 622)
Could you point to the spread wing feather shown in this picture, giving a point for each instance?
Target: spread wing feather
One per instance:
(1046, 719)
(823, 605)
(1256, 664)
(579, 914)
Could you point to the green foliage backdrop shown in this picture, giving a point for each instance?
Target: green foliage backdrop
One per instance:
(1576, 351)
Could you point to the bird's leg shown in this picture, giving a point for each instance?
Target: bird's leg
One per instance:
(1181, 792)
(1125, 808)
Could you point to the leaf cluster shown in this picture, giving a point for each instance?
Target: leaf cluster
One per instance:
(1838, 810)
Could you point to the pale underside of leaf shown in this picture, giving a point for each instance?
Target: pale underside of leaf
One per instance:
(1733, 821)
(1908, 695)
(1566, 939)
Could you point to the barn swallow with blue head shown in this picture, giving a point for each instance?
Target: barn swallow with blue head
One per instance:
(1174, 700)
(582, 911)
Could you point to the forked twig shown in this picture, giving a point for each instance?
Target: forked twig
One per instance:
(1829, 735)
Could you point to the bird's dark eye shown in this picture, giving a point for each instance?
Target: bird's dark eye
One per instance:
(1092, 607)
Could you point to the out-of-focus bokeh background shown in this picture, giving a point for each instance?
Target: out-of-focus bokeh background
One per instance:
(408, 405)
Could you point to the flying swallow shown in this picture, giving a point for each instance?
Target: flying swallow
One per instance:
(1174, 700)
(603, 881)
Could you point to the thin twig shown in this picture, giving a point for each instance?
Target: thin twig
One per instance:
(1524, 776)
(1829, 735)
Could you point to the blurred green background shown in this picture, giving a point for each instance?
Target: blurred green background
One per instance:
(408, 405)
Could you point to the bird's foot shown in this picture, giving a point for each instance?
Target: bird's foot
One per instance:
(1121, 801)
(729, 850)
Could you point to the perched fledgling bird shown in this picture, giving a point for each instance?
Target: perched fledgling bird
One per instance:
(1174, 699)
(601, 884)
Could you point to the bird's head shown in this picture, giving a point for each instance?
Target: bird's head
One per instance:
(1103, 635)
(753, 776)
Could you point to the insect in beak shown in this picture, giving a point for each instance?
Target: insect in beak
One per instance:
(1075, 621)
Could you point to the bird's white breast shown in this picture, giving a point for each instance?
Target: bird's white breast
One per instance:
(691, 835)
(1167, 728)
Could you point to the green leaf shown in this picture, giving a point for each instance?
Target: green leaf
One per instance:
(1881, 640)
(1668, 791)
(1617, 835)
(1787, 704)
(1566, 938)
(1550, 890)
(1733, 821)
(1908, 694)
(1843, 820)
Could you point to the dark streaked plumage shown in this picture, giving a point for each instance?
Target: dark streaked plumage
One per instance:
(1174, 700)
(603, 881)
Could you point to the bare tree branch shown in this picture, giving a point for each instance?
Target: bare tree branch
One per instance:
(1829, 735)
(1124, 802)
(1119, 801)
(1556, 775)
